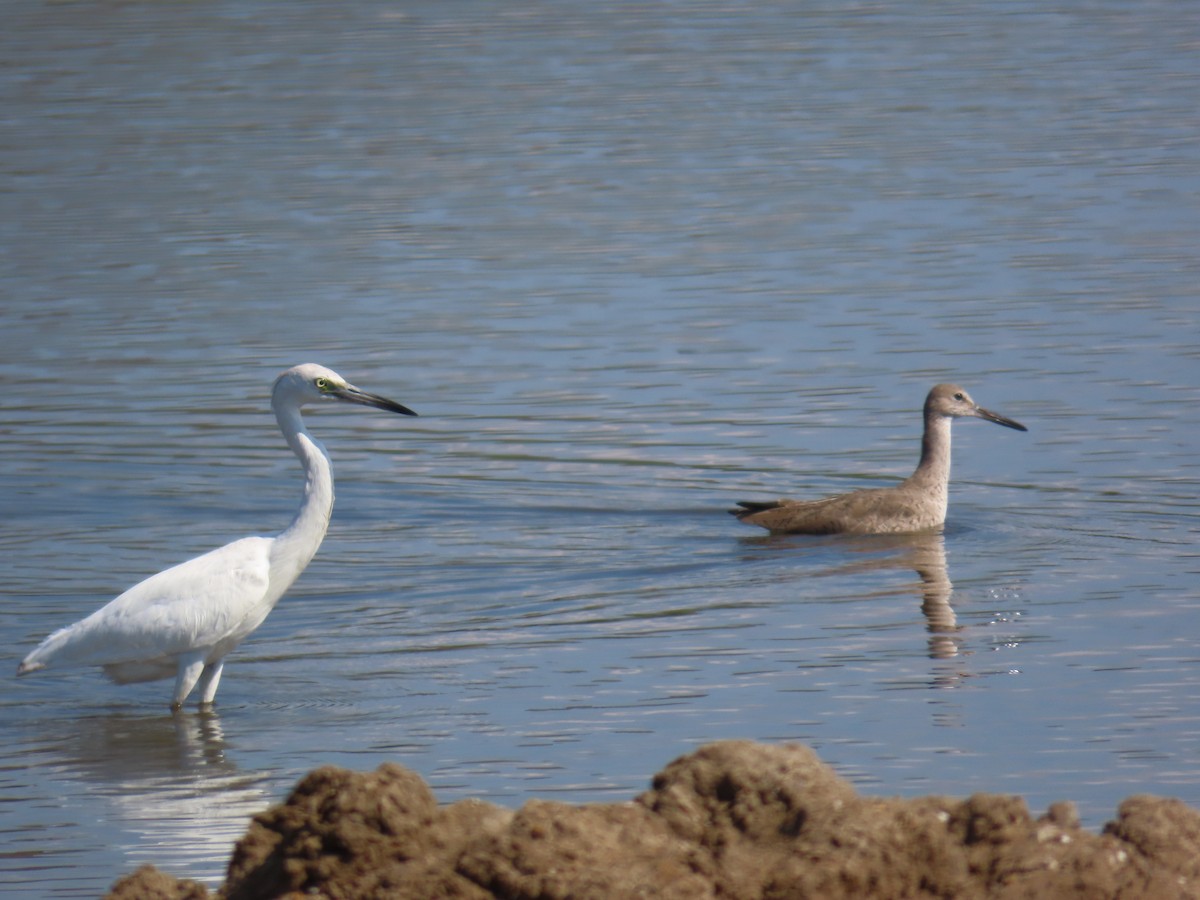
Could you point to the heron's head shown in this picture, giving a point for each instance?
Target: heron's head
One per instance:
(309, 383)
(952, 402)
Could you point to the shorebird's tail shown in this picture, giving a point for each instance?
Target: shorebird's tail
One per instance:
(750, 507)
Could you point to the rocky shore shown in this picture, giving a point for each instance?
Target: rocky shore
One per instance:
(734, 819)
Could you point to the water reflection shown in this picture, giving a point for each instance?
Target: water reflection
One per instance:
(166, 782)
(923, 553)
(124, 746)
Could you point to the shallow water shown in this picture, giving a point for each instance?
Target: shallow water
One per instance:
(630, 265)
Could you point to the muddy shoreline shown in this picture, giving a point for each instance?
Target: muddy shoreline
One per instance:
(734, 819)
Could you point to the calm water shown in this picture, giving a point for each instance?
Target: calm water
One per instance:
(630, 264)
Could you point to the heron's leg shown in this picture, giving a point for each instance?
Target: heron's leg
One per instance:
(190, 667)
(209, 679)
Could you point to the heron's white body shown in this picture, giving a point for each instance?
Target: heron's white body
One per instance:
(183, 621)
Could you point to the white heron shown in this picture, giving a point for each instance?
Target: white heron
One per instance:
(183, 621)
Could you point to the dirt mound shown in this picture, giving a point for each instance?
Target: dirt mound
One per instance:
(733, 820)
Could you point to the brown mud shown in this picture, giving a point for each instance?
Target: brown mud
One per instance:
(734, 819)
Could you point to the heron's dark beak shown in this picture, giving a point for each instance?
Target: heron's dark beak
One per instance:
(351, 394)
(998, 419)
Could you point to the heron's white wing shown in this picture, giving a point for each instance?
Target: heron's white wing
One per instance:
(196, 604)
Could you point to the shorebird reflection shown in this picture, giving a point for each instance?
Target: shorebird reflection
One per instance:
(923, 553)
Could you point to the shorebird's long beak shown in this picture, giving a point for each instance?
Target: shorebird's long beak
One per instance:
(998, 419)
(351, 394)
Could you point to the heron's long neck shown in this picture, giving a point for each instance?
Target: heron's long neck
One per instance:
(295, 547)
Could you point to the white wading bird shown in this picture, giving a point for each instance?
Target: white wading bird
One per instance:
(183, 621)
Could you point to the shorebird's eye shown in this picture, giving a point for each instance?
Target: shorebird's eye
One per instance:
(958, 396)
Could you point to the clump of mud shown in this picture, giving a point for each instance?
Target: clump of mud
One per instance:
(733, 820)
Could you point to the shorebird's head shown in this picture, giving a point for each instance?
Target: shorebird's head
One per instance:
(952, 402)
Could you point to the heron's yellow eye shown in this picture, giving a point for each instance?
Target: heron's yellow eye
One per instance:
(322, 383)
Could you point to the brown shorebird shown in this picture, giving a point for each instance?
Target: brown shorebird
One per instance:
(916, 504)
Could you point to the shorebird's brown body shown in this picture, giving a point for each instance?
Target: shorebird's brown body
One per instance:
(916, 504)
